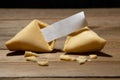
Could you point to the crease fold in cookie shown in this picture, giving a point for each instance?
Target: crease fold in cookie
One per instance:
(84, 40)
(31, 39)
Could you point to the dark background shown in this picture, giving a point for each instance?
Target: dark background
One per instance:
(59, 3)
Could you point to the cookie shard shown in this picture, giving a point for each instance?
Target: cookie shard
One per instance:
(30, 39)
(84, 40)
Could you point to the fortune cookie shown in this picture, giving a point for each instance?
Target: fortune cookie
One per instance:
(84, 40)
(30, 39)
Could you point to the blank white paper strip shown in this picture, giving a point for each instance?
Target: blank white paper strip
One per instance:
(64, 27)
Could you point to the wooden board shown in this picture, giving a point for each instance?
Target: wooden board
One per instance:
(105, 22)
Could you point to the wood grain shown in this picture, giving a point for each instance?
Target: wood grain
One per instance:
(57, 69)
(6, 14)
(105, 22)
(31, 78)
(9, 56)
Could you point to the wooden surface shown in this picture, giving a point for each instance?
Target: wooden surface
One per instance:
(105, 22)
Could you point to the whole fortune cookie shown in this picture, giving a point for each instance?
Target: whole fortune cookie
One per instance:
(30, 39)
(84, 40)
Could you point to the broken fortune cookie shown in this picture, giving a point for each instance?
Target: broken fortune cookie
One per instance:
(84, 40)
(30, 39)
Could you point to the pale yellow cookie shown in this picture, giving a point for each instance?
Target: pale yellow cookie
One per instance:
(84, 40)
(93, 56)
(29, 53)
(30, 39)
(31, 58)
(43, 63)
